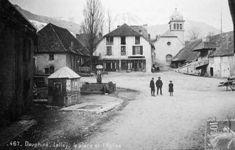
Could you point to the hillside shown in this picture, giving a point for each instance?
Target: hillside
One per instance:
(203, 28)
(40, 21)
(159, 29)
(72, 24)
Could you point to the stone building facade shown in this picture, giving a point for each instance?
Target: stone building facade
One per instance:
(17, 45)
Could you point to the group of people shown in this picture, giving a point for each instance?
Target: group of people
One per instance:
(159, 85)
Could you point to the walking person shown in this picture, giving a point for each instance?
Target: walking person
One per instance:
(159, 85)
(152, 87)
(171, 89)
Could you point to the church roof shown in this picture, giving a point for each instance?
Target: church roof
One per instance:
(64, 72)
(176, 16)
(168, 34)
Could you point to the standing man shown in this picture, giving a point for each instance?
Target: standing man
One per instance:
(159, 85)
(152, 87)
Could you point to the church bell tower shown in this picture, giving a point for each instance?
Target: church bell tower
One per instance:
(176, 25)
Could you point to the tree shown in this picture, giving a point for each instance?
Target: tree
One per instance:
(92, 24)
(194, 33)
(109, 19)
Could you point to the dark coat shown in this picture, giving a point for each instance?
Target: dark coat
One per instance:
(152, 84)
(159, 83)
(171, 87)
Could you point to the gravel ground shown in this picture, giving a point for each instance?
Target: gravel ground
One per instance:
(163, 122)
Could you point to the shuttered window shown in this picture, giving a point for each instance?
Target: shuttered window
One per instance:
(51, 56)
(137, 40)
(123, 40)
(109, 50)
(123, 50)
(109, 40)
(137, 50)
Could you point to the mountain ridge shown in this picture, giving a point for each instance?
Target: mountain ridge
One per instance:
(40, 21)
(74, 27)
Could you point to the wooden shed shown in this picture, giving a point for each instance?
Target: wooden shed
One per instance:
(64, 87)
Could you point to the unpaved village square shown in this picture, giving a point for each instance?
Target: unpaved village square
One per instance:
(164, 122)
(142, 122)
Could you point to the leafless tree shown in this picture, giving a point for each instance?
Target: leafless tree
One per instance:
(92, 24)
(194, 33)
(109, 19)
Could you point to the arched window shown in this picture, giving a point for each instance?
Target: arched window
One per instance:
(177, 26)
(181, 26)
(168, 58)
(174, 26)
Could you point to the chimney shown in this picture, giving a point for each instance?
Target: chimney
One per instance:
(100, 35)
(149, 37)
(77, 36)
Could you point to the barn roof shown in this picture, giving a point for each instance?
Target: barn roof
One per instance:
(64, 72)
(205, 46)
(123, 30)
(186, 53)
(224, 44)
(56, 39)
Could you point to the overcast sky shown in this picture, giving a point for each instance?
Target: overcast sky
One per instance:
(150, 11)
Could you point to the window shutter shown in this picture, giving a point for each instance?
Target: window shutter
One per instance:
(110, 50)
(133, 50)
(141, 50)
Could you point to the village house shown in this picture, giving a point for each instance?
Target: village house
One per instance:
(205, 49)
(212, 56)
(222, 61)
(57, 48)
(169, 44)
(186, 55)
(17, 44)
(125, 49)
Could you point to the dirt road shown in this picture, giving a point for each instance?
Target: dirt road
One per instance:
(163, 122)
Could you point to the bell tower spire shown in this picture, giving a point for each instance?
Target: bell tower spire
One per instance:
(176, 25)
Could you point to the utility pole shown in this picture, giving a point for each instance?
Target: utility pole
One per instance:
(221, 22)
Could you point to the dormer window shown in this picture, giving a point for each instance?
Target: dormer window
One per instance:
(137, 40)
(109, 40)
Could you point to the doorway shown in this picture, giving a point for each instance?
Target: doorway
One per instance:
(211, 71)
